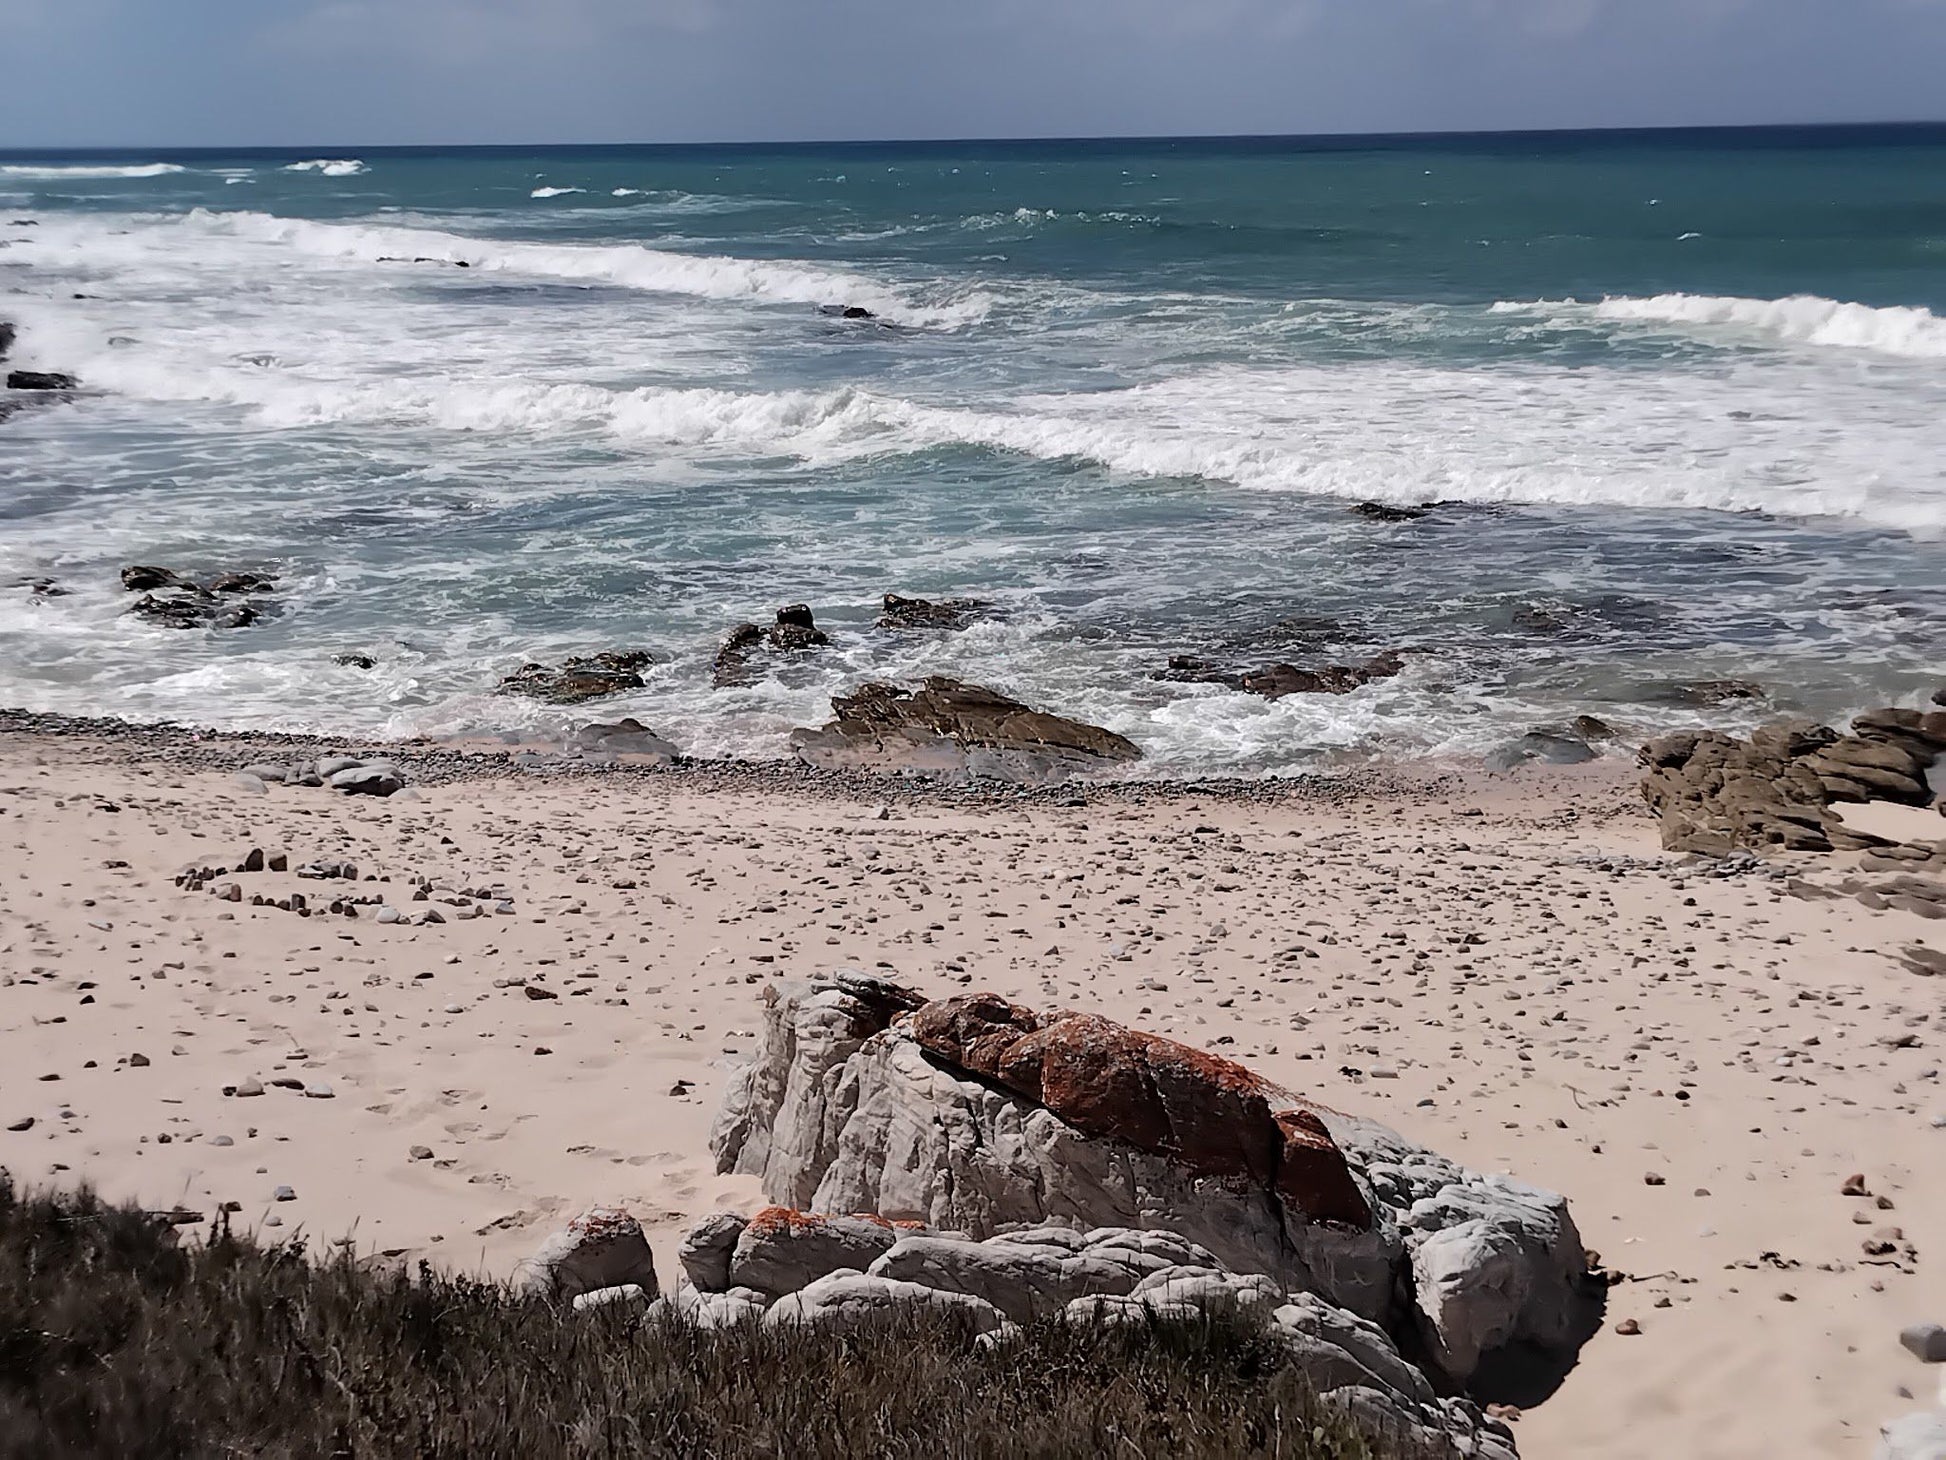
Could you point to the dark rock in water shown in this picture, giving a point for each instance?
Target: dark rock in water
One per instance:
(195, 609)
(919, 613)
(1188, 669)
(1939, 695)
(39, 380)
(141, 579)
(793, 632)
(961, 730)
(240, 583)
(355, 661)
(1333, 679)
(846, 311)
(40, 587)
(1548, 746)
(1386, 512)
(1589, 728)
(1717, 691)
(624, 737)
(7, 338)
(1714, 793)
(586, 677)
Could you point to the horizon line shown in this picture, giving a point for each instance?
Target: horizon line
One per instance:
(1345, 137)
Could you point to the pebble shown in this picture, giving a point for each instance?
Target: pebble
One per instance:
(249, 1085)
(26, 1122)
(222, 1141)
(283, 1193)
(319, 1090)
(419, 1153)
(1628, 1327)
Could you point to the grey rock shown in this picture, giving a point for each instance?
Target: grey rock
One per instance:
(632, 1295)
(780, 1251)
(1926, 1342)
(252, 785)
(602, 1248)
(706, 1248)
(711, 1310)
(843, 1300)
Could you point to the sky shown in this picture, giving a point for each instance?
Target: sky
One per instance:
(161, 73)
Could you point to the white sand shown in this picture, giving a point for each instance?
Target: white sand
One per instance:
(1536, 1015)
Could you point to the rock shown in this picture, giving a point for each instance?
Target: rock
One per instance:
(1926, 1342)
(247, 1086)
(141, 578)
(1548, 746)
(911, 614)
(254, 785)
(1280, 680)
(375, 779)
(706, 1248)
(630, 1295)
(39, 380)
(959, 730)
(419, 1153)
(355, 661)
(240, 583)
(582, 678)
(1027, 1276)
(844, 1300)
(283, 1193)
(707, 1310)
(624, 737)
(319, 1090)
(792, 632)
(25, 1123)
(1713, 793)
(1386, 512)
(781, 1250)
(602, 1248)
(1919, 1436)
(973, 1114)
(7, 337)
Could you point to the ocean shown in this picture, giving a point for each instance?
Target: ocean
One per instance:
(1676, 401)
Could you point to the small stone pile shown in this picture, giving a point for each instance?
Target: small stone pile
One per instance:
(351, 774)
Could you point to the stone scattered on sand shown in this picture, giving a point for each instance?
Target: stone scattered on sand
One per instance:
(949, 728)
(582, 678)
(1926, 1342)
(973, 1114)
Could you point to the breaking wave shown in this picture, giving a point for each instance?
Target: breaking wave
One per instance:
(330, 166)
(34, 172)
(1907, 331)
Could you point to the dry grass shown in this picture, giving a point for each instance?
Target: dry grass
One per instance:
(116, 1340)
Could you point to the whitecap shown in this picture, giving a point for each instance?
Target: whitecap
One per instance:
(1909, 331)
(50, 173)
(554, 192)
(329, 166)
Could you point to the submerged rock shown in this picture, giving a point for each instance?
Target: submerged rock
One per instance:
(1551, 747)
(584, 677)
(1388, 512)
(1332, 679)
(947, 727)
(910, 614)
(181, 602)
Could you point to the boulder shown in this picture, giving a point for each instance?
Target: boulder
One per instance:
(715, 1310)
(140, 578)
(912, 614)
(781, 1250)
(376, 778)
(793, 631)
(959, 730)
(1026, 1278)
(1387, 512)
(974, 1114)
(602, 1248)
(706, 1248)
(624, 737)
(39, 380)
(843, 1300)
(582, 678)
(1280, 680)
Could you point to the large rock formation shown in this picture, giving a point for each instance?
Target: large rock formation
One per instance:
(949, 728)
(1714, 793)
(835, 1273)
(582, 678)
(973, 1114)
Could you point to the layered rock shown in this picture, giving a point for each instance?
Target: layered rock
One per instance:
(946, 727)
(1714, 793)
(577, 680)
(1086, 1278)
(794, 631)
(973, 1114)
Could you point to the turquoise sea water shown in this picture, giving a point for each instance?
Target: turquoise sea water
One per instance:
(1679, 397)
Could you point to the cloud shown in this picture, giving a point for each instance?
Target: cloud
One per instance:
(462, 33)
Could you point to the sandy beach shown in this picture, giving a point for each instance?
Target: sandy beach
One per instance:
(1506, 968)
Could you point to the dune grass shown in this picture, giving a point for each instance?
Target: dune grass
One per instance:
(117, 1339)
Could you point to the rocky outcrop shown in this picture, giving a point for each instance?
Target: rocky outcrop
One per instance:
(227, 601)
(1714, 793)
(909, 615)
(1086, 1278)
(946, 727)
(577, 680)
(1276, 681)
(1388, 512)
(600, 1249)
(794, 631)
(973, 1114)
(39, 380)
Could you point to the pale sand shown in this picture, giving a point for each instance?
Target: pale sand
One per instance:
(1539, 1016)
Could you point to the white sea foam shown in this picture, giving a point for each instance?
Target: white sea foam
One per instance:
(628, 266)
(554, 192)
(1908, 331)
(330, 166)
(79, 171)
(626, 193)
